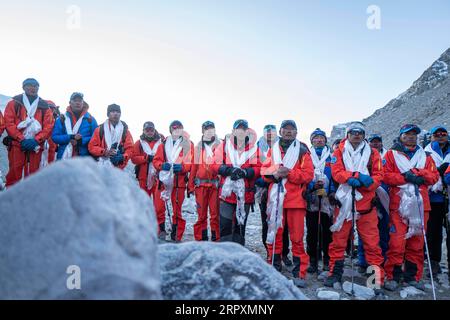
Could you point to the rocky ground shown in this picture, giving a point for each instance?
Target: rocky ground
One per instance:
(315, 289)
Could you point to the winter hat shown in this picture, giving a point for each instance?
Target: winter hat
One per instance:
(175, 123)
(240, 122)
(76, 95)
(30, 82)
(286, 123)
(113, 107)
(318, 132)
(375, 136)
(356, 126)
(208, 124)
(149, 124)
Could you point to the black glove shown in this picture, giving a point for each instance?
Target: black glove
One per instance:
(443, 168)
(249, 173)
(412, 178)
(150, 159)
(225, 170)
(237, 173)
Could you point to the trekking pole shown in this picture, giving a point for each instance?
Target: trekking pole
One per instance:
(177, 205)
(279, 185)
(319, 234)
(422, 220)
(27, 165)
(352, 240)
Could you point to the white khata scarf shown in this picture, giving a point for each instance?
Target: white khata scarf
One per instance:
(173, 151)
(438, 186)
(277, 192)
(411, 205)
(151, 177)
(30, 124)
(237, 187)
(354, 161)
(68, 152)
(112, 135)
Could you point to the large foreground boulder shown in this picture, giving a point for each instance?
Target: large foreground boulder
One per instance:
(73, 219)
(217, 271)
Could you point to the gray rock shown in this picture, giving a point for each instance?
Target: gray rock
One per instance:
(360, 292)
(410, 291)
(76, 213)
(328, 295)
(205, 271)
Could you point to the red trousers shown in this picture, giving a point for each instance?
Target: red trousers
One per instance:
(401, 249)
(207, 197)
(177, 218)
(295, 219)
(21, 164)
(367, 226)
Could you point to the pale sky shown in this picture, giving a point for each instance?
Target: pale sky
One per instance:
(312, 61)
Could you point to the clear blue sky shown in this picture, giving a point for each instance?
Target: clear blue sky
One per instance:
(312, 61)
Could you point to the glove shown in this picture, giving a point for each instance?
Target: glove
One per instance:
(225, 170)
(117, 159)
(412, 178)
(166, 166)
(442, 168)
(318, 185)
(237, 173)
(177, 168)
(353, 182)
(365, 180)
(261, 183)
(28, 144)
(249, 173)
(447, 179)
(332, 199)
(150, 159)
(321, 192)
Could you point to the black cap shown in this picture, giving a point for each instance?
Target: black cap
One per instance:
(76, 95)
(286, 123)
(30, 82)
(149, 124)
(113, 107)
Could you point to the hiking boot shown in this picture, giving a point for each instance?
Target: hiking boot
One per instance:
(391, 285)
(336, 276)
(277, 262)
(287, 262)
(300, 282)
(435, 269)
(417, 284)
(362, 269)
(313, 267)
(162, 235)
(326, 262)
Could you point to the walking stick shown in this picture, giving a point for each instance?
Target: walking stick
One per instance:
(422, 220)
(353, 232)
(280, 186)
(319, 234)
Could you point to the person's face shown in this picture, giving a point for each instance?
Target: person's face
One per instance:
(318, 141)
(240, 133)
(441, 137)
(76, 105)
(114, 116)
(288, 133)
(31, 90)
(209, 133)
(376, 143)
(409, 138)
(355, 137)
(270, 135)
(149, 131)
(177, 131)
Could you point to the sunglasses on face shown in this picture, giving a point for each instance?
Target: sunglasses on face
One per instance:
(440, 134)
(356, 133)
